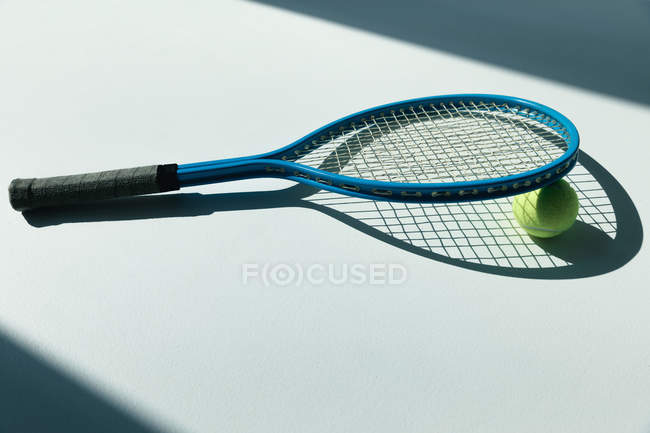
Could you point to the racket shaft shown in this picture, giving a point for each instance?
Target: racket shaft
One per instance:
(229, 170)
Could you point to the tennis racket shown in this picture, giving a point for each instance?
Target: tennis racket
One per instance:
(439, 149)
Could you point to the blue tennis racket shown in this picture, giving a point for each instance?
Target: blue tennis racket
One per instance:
(439, 149)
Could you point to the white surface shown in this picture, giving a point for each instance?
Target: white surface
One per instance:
(153, 313)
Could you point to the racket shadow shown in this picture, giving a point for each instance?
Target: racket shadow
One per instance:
(480, 236)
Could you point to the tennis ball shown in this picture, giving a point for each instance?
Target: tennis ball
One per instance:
(548, 211)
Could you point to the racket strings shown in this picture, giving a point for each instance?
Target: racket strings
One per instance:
(448, 142)
(457, 156)
(464, 151)
(457, 151)
(479, 232)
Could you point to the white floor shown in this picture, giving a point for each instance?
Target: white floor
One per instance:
(155, 314)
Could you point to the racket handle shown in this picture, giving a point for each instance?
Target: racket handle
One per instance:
(26, 194)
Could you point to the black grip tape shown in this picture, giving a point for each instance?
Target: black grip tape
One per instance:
(167, 178)
(25, 194)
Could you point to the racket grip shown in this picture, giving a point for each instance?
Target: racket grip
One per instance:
(26, 194)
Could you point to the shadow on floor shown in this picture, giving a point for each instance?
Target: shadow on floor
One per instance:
(600, 45)
(588, 250)
(36, 397)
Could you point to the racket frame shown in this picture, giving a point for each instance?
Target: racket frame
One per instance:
(273, 164)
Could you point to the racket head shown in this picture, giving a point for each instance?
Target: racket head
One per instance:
(513, 146)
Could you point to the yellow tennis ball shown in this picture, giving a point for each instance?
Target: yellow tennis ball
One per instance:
(548, 211)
